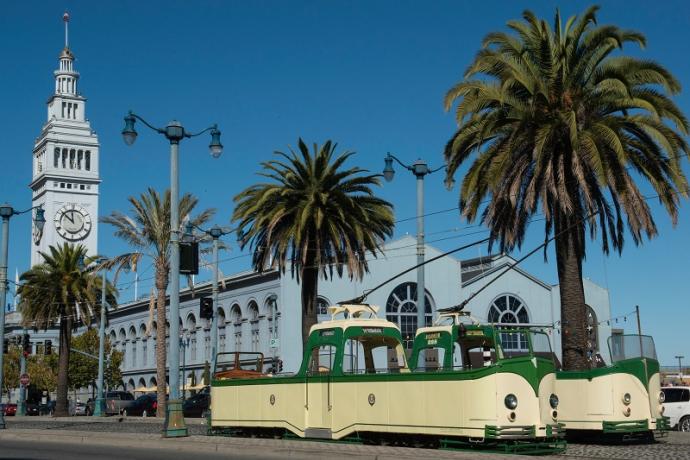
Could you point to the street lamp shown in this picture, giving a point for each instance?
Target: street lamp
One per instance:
(420, 169)
(174, 132)
(6, 212)
(215, 233)
(680, 368)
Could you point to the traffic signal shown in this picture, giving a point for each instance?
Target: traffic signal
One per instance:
(189, 258)
(47, 347)
(6, 344)
(206, 308)
(280, 365)
(26, 344)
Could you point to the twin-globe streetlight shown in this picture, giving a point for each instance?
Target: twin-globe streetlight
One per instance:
(420, 169)
(174, 132)
(7, 211)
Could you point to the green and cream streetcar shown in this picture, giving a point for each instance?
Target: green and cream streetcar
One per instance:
(354, 381)
(623, 398)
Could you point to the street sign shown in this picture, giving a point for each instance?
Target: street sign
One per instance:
(24, 380)
(275, 342)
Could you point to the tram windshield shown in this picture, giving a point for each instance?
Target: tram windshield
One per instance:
(371, 354)
(624, 347)
(526, 343)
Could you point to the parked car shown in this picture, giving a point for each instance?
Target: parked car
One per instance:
(197, 406)
(10, 409)
(31, 409)
(80, 408)
(677, 407)
(145, 405)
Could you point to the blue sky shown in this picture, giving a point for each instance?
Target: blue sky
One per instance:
(369, 75)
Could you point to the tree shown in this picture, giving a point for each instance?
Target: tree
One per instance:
(43, 371)
(60, 291)
(315, 216)
(83, 370)
(148, 231)
(10, 365)
(563, 125)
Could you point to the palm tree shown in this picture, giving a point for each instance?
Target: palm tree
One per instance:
(59, 289)
(564, 125)
(148, 231)
(315, 216)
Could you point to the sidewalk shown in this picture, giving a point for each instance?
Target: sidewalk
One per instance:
(244, 447)
(89, 419)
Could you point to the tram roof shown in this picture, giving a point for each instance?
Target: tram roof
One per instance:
(358, 315)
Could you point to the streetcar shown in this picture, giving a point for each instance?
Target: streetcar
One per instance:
(623, 399)
(354, 383)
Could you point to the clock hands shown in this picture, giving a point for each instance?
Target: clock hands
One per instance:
(69, 215)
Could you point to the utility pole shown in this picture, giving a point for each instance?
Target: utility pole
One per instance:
(639, 328)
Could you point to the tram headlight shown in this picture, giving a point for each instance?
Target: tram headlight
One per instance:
(511, 401)
(627, 398)
(662, 397)
(553, 400)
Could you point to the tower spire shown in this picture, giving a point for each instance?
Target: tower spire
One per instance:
(65, 18)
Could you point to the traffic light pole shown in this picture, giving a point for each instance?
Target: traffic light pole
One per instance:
(3, 290)
(99, 407)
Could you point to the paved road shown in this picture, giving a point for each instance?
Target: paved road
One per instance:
(27, 450)
(675, 446)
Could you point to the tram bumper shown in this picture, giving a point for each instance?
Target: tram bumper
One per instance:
(509, 432)
(626, 426)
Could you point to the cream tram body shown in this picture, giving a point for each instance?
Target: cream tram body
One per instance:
(623, 398)
(347, 390)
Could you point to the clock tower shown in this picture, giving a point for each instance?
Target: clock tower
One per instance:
(65, 178)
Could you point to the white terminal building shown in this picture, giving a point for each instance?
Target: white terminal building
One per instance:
(261, 311)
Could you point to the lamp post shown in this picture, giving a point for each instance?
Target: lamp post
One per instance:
(6, 212)
(174, 132)
(420, 169)
(99, 406)
(184, 343)
(215, 233)
(680, 368)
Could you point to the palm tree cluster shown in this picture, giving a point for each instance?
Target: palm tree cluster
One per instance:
(314, 215)
(61, 290)
(564, 125)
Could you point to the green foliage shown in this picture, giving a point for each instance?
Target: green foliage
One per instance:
(10, 366)
(41, 369)
(83, 370)
(313, 207)
(563, 125)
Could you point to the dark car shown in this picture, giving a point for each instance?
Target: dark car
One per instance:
(10, 409)
(145, 405)
(197, 405)
(31, 409)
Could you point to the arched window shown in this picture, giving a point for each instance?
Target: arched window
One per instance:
(221, 330)
(144, 345)
(592, 333)
(133, 340)
(508, 309)
(322, 305)
(191, 330)
(253, 311)
(236, 318)
(401, 309)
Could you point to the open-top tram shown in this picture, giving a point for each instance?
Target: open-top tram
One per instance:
(623, 398)
(354, 381)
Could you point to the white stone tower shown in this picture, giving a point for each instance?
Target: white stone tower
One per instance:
(65, 166)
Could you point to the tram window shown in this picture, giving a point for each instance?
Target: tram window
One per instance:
(373, 354)
(431, 359)
(322, 359)
(457, 356)
(515, 343)
(477, 352)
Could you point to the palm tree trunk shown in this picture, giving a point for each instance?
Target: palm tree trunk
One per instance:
(161, 287)
(569, 254)
(310, 289)
(61, 407)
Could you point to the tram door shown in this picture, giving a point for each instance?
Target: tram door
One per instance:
(318, 397)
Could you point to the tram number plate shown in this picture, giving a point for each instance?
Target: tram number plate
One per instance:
(275, 342)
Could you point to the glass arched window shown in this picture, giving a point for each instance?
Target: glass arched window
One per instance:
(508, 309)
(322, 306)
(592, 332)
(401, 309)
(253, 311)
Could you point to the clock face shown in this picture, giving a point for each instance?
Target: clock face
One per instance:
(72, 222)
